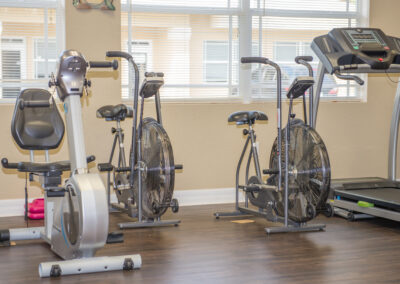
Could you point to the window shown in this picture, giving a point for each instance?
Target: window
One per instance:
(178, 31)
(31, 38)
(216, 61)
(285, 29)
(43, 67)
(197, 44)
(12, 65)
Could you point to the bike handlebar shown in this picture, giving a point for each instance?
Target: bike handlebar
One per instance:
(104, 64)
(122, 54)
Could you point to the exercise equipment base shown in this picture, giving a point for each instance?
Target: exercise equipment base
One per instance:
(89, 265)
(292, 227)
(147, 224)
(230, 214)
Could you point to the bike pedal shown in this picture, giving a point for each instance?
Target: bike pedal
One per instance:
(115, 237)
(105, 167)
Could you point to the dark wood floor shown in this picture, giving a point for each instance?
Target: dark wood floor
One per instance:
(205, 250)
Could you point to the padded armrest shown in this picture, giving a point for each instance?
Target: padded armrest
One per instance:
(41, 167)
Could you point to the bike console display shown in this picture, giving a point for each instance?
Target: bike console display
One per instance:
(344, 49)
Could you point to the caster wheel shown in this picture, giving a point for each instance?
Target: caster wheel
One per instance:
(350, 216)
(329, 212)
(174, 205)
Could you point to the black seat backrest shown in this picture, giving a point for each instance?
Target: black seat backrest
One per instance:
(37, 128)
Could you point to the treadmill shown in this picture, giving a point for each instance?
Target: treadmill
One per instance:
(344, 52)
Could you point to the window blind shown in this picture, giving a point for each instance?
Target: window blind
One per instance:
(31, 39)
(285, 29)
(197, 44)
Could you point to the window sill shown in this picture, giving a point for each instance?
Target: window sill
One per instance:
(239, 100)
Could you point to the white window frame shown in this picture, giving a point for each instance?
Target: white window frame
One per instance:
(245, 14)
(59, 5)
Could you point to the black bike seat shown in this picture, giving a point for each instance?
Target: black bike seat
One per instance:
(244, 117)
(117, 112)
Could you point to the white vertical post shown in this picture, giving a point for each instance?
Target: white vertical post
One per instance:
(130, 72)
(363, 12)
(46, 42)
(230, 52)
(60, 27)
(245, 39)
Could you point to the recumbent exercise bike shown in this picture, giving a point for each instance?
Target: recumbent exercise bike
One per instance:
(76, 215)
(299, 179)
(144, 187)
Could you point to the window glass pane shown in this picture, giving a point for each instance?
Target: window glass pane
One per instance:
(11, 64)
(285, 51)
(308, 5)
(217, 72)
(186, 48)
(186, 3)
(26, 60)
(216, 51)
(196, 43)
(284, 38)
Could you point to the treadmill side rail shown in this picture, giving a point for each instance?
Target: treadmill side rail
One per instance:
(374, 211)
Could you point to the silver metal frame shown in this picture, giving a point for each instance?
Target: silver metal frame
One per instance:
(84, 194)
(288, 225)
(136, 166)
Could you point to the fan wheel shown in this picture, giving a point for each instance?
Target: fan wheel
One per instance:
(158, 176)
(309, 172)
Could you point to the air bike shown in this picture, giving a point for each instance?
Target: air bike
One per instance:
(299, 175)
(76, 215)
(144, 186)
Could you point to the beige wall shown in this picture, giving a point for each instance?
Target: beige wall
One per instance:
(356, 134)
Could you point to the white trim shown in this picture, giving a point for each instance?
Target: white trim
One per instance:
(15, 207)
(304, 13)
(29, 4)
(175, 9)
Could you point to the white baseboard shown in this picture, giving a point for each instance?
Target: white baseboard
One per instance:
(15, 207)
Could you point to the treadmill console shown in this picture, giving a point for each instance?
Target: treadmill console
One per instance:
(345, 48)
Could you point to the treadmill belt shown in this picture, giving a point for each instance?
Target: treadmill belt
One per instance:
(382, 197)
